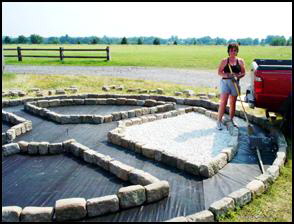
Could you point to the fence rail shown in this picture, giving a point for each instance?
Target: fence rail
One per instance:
(61, 55)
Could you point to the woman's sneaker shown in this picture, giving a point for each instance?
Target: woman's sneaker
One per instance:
(219, 125)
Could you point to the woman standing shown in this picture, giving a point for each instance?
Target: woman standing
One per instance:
(227, 87)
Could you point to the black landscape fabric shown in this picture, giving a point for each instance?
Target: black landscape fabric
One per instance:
(40, 181)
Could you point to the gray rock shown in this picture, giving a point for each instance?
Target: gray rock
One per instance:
(203, 216)
(78, 149)
(220, 161)
(192, 168)
(98, 119)
(102, 160)
(75, 119)
(67, 144)
(37, 214)
(23, 145)
(178, 219)
(70, 209)
(43, 148)
(241, 197)
(142, 178)
(120, 170)
(59, 91)
(148, 151)
(206, 170)
(160, 91)
(131, 196)
(222, 206)
(105, 88)
(116, 116)
(10, 149)
(256, 187)
(266, 179)
(11, 213)
(88, 156)
(107, 118)
(169, 159)
(55, 148)
(273, 171)
(157, 191)
(86, 118)
(102, 205)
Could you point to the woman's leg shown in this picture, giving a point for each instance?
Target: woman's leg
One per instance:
(222, 106)
(233, 100)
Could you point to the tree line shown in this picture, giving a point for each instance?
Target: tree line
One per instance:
(273, 40)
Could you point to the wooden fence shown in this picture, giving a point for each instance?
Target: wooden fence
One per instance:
(61, 55)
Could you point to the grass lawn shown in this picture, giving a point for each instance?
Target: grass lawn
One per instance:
(273, 206)
(173, 56)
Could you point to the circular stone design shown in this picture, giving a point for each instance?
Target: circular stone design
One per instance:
(192, 136)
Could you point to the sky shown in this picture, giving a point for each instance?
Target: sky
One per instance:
(161, 19)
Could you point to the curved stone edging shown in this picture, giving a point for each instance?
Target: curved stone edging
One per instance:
(146, 188)
(246, 194)
(149, 107)
(117, 136)
(21, 126)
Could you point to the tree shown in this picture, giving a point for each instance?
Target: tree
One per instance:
(22, 39)
(278, 41)
(175, 42)
(124, 41)
(53, 40)
(289, 41)
(36, 39)
(156, 41)
(140, 41)
(256, 41)
(95, 40)
(7, 40)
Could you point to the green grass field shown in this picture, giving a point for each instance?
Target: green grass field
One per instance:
(173, 56)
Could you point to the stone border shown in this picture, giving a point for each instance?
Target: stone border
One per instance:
(271, 173)
(146, 188)
(149, 107)
(21, 126)
(246, 194)
(208, 169)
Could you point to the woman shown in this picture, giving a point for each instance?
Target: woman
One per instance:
(227, 87)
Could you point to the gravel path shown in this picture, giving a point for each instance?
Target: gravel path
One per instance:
(192, 136)
(189, 77)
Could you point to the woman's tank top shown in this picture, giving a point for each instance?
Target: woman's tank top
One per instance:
(235, 68)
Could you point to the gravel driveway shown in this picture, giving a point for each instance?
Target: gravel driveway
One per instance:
(189, 77)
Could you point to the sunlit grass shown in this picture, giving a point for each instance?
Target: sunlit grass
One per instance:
(173, 56)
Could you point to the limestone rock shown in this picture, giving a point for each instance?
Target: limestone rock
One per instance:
(37, 214)
(11, 213)
(102, 205)
(203, 216)
(157, 191)
(70, 209)
(131, 196)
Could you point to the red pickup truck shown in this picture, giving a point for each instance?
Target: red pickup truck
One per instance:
(271, 86)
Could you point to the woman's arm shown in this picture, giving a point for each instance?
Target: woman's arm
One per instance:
(243, 70)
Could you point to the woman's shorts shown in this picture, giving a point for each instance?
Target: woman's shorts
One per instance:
(227, 86)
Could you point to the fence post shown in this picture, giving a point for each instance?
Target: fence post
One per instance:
(19, 54)
(107, 53)
(61, 53)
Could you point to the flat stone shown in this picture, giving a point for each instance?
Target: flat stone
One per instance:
(222, 206)
(98, 119)
(169, 159)
(148, 151)
(37, 214)
(256, 187)
(43, 148)
(203, 216)
(266, 179)
(102, 205)
(70, 209)
(67, 144)
(23, 145)
(107, 118)
(191, 168)
(131, 196)
(102, 160)
(178, 219)
(142, 178)
(78, 149)
(11, 213)
(116, 116)
(157, 191)
(89, 156)
(33, 148)
(10, 149)
(55, 148)
(220, 161)
(120, 170)
(241, 197)
(273, 171)
(206, 170)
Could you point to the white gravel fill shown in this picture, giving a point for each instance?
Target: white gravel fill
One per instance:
(191, 136)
